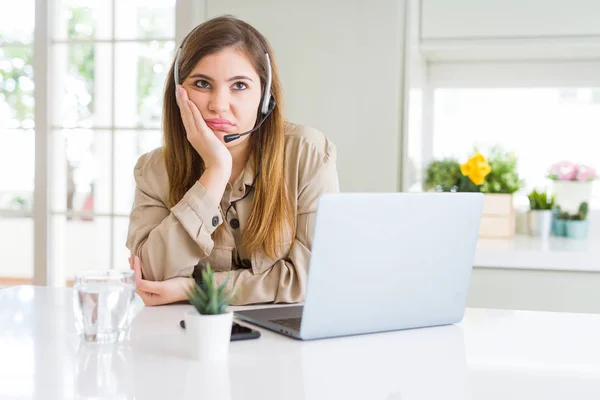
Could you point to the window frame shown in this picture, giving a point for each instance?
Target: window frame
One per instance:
(47, 271)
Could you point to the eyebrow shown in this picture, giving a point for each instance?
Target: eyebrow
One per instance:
(208, 78)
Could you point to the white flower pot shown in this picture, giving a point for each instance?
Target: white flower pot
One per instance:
(570, 194)
(208, 336)
(540, 223)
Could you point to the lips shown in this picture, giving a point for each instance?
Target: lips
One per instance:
(219, 124)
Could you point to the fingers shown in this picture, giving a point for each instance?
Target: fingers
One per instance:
(186, 113)
(181, 97)
(136, 266)
(150, 286)
(191, 111)
(142, 284)
(178, 95)
(148, 291)
(184, 101)
(197, 117)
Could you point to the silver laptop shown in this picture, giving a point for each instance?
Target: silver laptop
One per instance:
(383, 262)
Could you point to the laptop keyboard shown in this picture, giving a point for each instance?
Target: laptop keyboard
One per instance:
(292, 323)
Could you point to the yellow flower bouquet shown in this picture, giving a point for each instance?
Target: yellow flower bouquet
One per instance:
(474, 172)
(496, 173)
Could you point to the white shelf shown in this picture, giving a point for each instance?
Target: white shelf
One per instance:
(526, 252)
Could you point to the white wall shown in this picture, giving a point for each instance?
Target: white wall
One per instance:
(341, 62)
(514, 19)
(477, 30)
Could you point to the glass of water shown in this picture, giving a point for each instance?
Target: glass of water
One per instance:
(104, 304)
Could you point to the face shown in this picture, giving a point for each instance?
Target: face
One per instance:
(226, 89)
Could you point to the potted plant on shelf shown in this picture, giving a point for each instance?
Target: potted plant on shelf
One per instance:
(576, 225)
(539, 218)
(498, 179)
(572, 184)
(208, 324)
(442, 175)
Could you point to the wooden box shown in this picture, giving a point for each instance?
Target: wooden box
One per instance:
(498, 217)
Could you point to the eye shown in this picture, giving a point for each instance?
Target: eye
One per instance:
(240, 86)
(202, 84)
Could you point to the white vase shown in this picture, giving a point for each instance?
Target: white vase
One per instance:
(208, 336)
(570, 194)
(540, 223)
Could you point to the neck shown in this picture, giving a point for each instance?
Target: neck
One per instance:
(239, 158)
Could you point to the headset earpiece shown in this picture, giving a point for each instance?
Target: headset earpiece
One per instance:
(266, 103)
(272, 104)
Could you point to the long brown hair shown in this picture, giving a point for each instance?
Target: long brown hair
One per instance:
(271, 213)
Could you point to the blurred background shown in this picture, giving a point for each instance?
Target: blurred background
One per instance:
(395, 84)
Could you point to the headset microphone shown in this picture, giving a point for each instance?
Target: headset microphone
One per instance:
(235, 136)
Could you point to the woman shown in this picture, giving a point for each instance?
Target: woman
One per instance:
(234, 185)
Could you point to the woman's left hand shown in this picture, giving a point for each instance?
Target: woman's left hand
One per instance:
(157, 293)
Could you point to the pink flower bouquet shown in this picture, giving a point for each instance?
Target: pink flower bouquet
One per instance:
(568, 171)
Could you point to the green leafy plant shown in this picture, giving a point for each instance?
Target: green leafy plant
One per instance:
(19, 202)
(540, 201)
(503, 177)
(209, 298)
(443, 175)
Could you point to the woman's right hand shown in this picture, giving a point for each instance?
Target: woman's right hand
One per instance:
(214, 153)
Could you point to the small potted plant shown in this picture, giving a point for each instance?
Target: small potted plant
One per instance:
(572, 184)
(539, 217)
(442, 175)
(496, 176)
(208, 324)
(577, 225)
(561, 217)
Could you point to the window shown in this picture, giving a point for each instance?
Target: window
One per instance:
(107, 65)
(110, 61)
(17, 141)
(541, 125)
(545, 111)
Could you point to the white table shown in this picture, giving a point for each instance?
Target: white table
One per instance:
(491, 354)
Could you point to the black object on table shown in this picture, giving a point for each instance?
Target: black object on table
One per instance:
(238, 332)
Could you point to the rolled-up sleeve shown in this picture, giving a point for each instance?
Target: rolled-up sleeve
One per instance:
(284, 281)
(170, 242)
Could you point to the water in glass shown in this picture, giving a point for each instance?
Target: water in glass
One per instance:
(103, 304)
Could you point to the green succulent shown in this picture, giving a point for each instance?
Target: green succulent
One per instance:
(209, 298)
(540, 201)
(581, 214)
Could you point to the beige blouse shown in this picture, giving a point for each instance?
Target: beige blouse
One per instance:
(174, 242)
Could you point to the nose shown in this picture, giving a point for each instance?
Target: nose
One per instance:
(219, 101)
